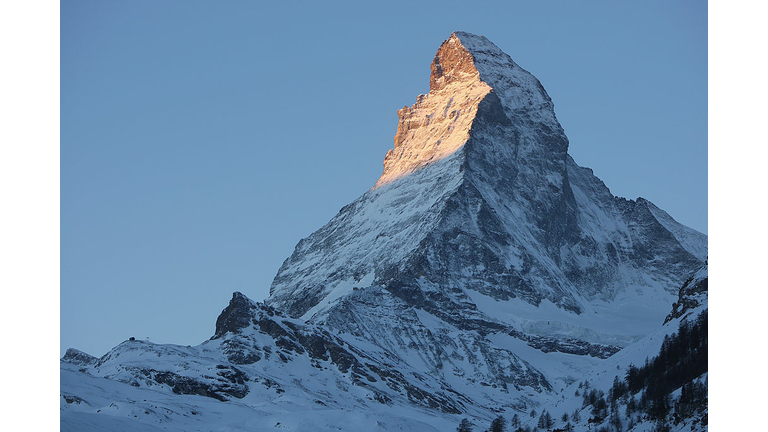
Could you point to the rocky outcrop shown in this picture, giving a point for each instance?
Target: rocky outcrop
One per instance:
(77, 357)
(692, 294)
(236, 316)
(229, 381)
(567, 345)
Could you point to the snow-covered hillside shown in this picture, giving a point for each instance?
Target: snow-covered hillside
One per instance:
(260, 371)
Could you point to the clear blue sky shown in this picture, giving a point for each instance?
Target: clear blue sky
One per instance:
(200, 141)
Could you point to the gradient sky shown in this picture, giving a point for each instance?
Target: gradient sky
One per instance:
(200, 141)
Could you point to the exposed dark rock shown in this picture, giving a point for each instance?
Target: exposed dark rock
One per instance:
(567, 345)
(78, 357)
(235, 316)
(241, 352)
(230, 382)
(70, 399)
(691, 295)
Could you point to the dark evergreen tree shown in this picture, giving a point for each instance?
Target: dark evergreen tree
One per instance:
(615, 422)
(631, 405)
(464, 426)
(515, 421)
(548, 420)
(600, 409)
(633, 379)
(618, 389)
(498, 424)
(662, 426)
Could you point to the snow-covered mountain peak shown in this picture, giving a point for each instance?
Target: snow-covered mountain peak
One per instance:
(479, 195)
(471, 79)
(516, 87)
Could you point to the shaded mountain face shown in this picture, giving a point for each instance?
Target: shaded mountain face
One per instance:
(479, 200)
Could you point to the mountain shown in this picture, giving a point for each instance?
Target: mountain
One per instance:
(482, 224)
(485, 272)
(480, 196)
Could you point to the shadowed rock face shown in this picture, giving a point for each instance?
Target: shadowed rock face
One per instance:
(235, 316)
(229, 382)
(78, 357)
(692, 294)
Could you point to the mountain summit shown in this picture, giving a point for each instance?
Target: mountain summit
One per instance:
(470, 78)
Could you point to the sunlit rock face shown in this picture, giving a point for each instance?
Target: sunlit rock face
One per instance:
(438, 124)
(482, 224)
(467, 70)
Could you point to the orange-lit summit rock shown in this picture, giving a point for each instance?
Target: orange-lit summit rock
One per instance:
(466, 70)
(438, 123)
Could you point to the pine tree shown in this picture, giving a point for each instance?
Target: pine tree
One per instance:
(615, 421)
(631, 405)
(542, 424)
(515, 420)
(498, 424)
(464, 426)
(576, 416)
